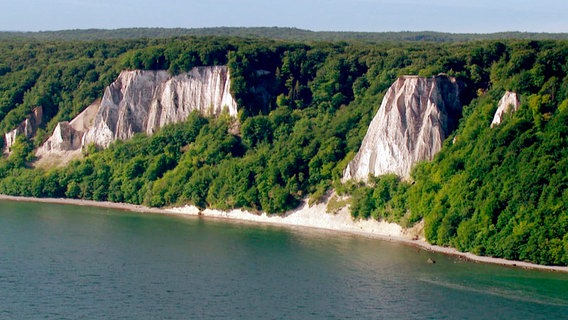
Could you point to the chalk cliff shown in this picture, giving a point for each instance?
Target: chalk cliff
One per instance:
(27, 128)
(510, 102)
(143, 101)
(68, 136)
(415, 117)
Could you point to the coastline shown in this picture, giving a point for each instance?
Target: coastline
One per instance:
(314, 217)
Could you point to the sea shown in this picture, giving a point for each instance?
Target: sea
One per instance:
(76, 262)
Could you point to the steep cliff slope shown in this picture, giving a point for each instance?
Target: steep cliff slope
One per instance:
(141, 102)
(415, 117)
(67, 138)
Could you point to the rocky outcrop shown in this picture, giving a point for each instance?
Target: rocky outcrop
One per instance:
(27, 128)
(415, 117)
(68, 136)
(143, 101)
(510, 102)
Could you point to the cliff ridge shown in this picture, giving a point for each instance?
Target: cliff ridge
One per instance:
(142, 101)
(416, 115)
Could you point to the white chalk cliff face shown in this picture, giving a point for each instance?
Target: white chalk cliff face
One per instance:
(68, 136)
(141, 102)
(27, 128)
(510, 102)
(415, 117)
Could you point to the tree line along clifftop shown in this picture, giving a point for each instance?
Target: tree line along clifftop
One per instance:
(304, 108)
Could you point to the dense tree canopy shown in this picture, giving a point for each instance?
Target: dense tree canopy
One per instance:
(304, 109)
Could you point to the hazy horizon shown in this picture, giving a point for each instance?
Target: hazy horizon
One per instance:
(301, 29)
(456, 16)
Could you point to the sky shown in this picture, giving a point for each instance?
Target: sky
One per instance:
(456, 16)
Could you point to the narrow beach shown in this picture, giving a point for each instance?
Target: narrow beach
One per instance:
(304, 216)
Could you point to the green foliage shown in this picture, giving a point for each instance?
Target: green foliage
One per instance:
(504, 192)
(384, 198)
(257, 130)
(21, 153)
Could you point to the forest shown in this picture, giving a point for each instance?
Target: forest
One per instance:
(498, 191)
(280, 33)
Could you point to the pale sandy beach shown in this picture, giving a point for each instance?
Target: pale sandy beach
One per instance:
(306, 216)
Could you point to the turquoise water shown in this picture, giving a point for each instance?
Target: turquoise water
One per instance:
(68, 262)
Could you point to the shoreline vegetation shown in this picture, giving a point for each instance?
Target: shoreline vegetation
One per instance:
(305, 216)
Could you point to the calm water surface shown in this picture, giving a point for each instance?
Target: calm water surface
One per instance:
(67, 262)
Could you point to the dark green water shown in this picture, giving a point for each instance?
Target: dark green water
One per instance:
(67, 262)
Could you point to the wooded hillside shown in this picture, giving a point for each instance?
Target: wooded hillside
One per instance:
(497, 191)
